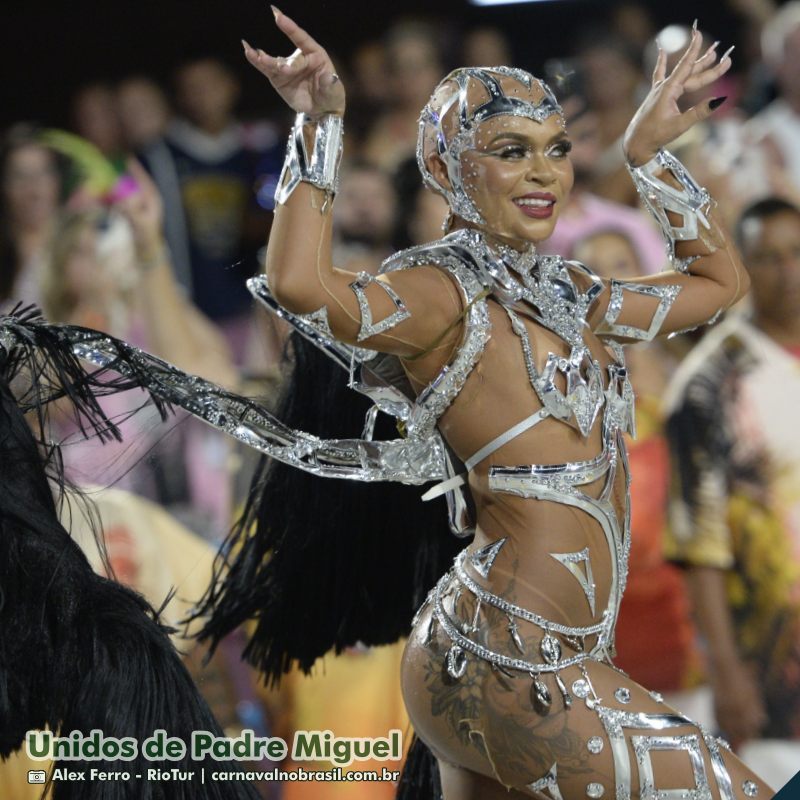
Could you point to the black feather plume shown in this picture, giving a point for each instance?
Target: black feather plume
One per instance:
(321, 564)
(420, 779)
(78, 652)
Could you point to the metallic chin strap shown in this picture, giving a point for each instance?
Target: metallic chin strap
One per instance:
(691, 202)
(321, 165)
(499, 104)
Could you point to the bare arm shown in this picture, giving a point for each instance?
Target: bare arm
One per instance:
(738, 703)
(715, 278)
(179, 333)
(402, 313)
(713, 283)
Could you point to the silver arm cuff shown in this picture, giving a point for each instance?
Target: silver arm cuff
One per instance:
(691, 202)
(320, 167)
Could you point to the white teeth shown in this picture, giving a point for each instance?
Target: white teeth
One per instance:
(534, 201)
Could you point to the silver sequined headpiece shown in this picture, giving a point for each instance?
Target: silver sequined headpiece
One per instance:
(498, 104)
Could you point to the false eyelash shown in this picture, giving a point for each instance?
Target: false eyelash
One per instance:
(565, 145)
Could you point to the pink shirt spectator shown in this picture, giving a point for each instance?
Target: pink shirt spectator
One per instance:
(587, 213)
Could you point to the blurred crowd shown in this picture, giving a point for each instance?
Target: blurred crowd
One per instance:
(150, 230)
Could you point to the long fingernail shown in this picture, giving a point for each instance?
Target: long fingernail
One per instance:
(246, 45)
(728, 52)
(275, 11)
(708, 52)
(694, 25)
(716, 102)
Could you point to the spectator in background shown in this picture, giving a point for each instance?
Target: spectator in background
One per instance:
(429, 212)
(30, 193)
(421, 212)
(369, 76)
(144, 112)
(664, 658)
(633, 22)
(215, 173)
(486, 47)
(735, 513)
(415, 67)
(370, 73)
(756, 80)
(363, 225)
(95, 116)
(145, 115)
(777, 127)
(108, 269)
(611, 76)
(111, 272)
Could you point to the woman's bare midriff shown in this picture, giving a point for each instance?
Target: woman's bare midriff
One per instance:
(487, 723)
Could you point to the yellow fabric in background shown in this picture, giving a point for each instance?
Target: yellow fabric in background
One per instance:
(354, 694)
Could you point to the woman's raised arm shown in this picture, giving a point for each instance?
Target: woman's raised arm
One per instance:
(403, 313)
(710, 276)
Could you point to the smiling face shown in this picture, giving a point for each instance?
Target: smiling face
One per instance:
(508, 174)
(519, 176)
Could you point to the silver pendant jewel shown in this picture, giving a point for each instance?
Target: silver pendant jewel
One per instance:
(550, 649)
(473, 628)
(541, 699)
(514, 633)
(456, 662)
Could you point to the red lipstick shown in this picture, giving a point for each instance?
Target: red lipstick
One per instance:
(538, 205)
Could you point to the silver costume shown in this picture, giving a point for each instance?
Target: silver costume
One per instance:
(558, 295)
(691, 202)
(320, 166)
(551, 296)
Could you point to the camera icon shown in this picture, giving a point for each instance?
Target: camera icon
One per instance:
(37, 776)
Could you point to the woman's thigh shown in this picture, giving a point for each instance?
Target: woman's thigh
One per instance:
(616, 740)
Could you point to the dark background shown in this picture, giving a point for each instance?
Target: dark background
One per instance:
(47, 50)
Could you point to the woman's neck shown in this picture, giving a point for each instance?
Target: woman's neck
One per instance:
(495, 241)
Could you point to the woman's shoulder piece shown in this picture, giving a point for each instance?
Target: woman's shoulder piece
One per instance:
(587, 281)
(458, 253)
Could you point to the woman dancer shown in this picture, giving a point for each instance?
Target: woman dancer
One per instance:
(515, 358)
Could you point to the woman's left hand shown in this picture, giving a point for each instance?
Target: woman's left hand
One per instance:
(659, 120)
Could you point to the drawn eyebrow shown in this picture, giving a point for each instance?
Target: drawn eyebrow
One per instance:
(509, 135)
(521, 137)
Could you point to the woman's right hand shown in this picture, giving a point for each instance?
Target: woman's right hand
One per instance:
(306, 80)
